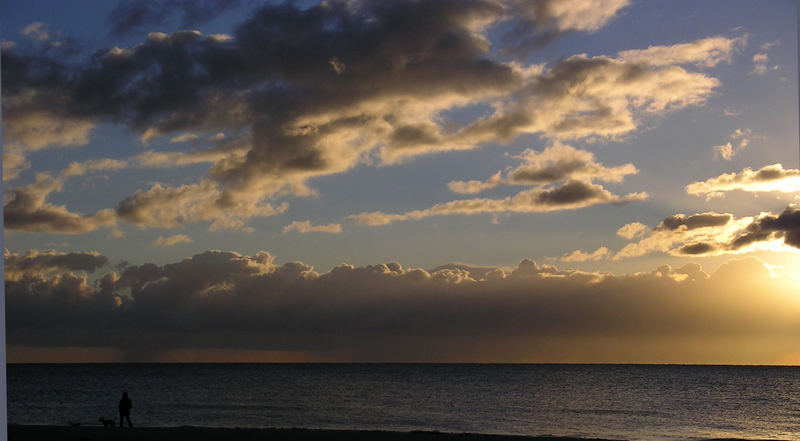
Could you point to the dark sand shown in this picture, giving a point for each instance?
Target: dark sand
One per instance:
(65, 433)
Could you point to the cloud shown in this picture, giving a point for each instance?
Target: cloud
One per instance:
(28, 210)
(14, 162)
(571, 15)
(168, 207)
(474, 186)
(304, 227)
(561, 177)
(741, 138)
(172, 240)
(186, 137)
(551, 18)
(36, 114)
(558, 162)
(712, 234)
(154, 159)
(385, 312)
(568, 196)
(767, 226)
(580, 256)
(40, 37)
(770, 178)
(724, 151)
(683, 222)
(97, 165)
(18, 266)
(706, 52)
(633, 230)
(38, 130)
(579, 97)
(303, 116)
(728, 111)
(761, 60)
(160, 206)
(131, 16)
(769, 45)
(36, 31)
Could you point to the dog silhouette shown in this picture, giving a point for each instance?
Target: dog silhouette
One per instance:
(107, 423)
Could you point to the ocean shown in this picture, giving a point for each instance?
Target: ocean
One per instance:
(635, 402)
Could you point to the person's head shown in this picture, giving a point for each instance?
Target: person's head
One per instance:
(125, 395)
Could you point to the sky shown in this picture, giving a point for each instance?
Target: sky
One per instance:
(610, 181)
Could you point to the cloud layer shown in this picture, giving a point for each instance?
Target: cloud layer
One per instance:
(386, 312)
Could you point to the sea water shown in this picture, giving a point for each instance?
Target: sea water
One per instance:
(636, 402)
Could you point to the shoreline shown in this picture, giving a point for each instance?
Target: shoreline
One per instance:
(193, 433)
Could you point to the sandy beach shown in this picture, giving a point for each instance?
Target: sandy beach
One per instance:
(65, 433)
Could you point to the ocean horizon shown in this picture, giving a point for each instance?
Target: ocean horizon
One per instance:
(610, 401)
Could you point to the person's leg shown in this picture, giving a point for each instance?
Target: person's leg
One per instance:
(128, 416)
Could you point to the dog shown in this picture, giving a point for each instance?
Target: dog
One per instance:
(74, 424)
(107, 423)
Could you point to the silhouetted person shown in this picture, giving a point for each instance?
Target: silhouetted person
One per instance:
(125, 409)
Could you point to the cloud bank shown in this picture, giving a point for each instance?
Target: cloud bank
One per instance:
(386, 312)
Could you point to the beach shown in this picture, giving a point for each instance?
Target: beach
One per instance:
(67, 433)
(186, 433)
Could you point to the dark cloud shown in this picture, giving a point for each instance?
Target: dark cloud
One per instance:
(17, 265)
(274, 73)
(315, 90)
(785, 225)
(697, 248)
(140, 15)
(571, 192)
(694, 221)
(555, 173)
(718, 233)
(384, 311)
(37, 102)
(28, 210)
